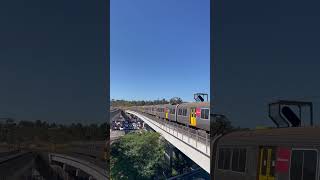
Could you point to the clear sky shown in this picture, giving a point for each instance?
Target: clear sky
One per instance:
(159, 49)
(52, 60)
(265, 51)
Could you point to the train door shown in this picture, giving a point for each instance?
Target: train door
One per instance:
(167, 112)
(193, 120)
(267, 163)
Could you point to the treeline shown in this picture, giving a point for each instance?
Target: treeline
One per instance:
(13, 132)
(118, 103)
(222, 125)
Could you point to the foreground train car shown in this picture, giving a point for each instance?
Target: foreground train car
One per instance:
(268, 154)
(194, 115)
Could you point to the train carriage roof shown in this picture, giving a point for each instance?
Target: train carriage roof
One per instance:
(195, 104)
(170, 105)
(278, 136)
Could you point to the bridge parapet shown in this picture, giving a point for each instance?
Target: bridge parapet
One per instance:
(190, 142)
(87, 167)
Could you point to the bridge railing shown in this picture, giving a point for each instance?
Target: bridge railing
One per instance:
(191, 142)
(193, 137)
(89, 168)
(187, 134)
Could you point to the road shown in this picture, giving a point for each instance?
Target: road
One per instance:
(23, 164)
(17, 164)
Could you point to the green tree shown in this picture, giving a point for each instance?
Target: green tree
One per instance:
(175, 100)
(220, 125)
(137, 156)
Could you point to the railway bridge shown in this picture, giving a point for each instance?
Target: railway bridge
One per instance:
(79, 166)
(192, 143)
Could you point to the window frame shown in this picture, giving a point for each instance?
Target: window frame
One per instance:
(224, 152)
(230, 168)
(172, 111)
(305, 149)
(185, 110)
(208, 113)
(245, 165)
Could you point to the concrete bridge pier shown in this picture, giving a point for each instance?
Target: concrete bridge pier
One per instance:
(77, 172)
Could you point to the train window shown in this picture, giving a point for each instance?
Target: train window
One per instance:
(235, 159)
(309, 165)
(227, 158)
(220, 158)
(238, 160)
(184, 112)
(296, 165)
(204, 113)
(224, 158)
(242, 160)
(172, 111)
(303, 165)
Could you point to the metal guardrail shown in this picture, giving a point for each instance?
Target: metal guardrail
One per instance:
(194, 174)
(186, 134)
(191, 142)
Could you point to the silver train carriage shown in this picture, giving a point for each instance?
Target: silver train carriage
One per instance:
(195, 114)
(268, 154)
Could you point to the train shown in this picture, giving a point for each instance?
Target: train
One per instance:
(267, 154)
(195, 114)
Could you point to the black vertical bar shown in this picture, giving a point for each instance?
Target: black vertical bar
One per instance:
(311, 115)
(300, 114)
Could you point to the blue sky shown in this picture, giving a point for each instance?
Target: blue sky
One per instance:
(52, 60)
(159, 49)
(265, 51)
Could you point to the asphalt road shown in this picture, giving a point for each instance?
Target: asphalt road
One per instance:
(16, 165)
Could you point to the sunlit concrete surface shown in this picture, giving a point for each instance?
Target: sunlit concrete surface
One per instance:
(114, 112)
(10, 156)
(87, 167)
(195, 149)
